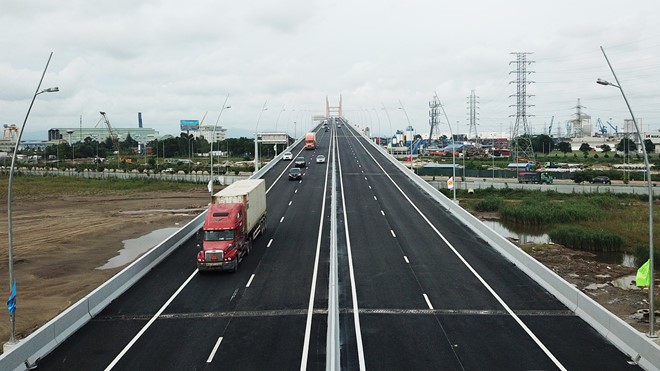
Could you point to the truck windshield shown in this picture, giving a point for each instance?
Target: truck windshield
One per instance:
(225, 235)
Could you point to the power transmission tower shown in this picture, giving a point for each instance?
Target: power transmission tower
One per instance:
(434, 116)
(473, 102)
(521, 135)
(578, 122)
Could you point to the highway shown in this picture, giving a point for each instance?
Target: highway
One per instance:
(357, 269)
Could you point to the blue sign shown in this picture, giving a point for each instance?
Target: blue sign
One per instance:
(11, 302)
(187, 125)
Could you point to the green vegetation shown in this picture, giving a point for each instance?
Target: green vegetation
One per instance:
(607, 222)
(490, 203)
(582, 238)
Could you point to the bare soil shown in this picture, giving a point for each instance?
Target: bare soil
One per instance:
(59, 243)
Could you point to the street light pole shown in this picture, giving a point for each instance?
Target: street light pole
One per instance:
(224, 105)
(11, 303)
(650, 191)
(411, 139)
(453, 144)
(256, 138)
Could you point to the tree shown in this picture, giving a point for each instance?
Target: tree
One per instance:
(606, 148)
(650, 147)
(626, 145)
(564, 147)
(542, 143)
(585, 148)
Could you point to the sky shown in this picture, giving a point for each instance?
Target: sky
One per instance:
(276, 62)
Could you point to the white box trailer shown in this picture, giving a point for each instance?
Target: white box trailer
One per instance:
(249, 192)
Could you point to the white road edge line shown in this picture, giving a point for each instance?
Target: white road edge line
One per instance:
(250, 280)
(474, 272)
(151, 321)
(215, 349)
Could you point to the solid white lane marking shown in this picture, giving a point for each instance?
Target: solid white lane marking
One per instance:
(215, 349)
(151, 321)
(393, 235)
(428, 302)
(356, 311)
(282, 219)
(406, 259)
(310, 306)
(269, 242)
(250, 280)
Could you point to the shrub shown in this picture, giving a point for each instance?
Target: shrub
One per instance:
(490, 203)
(583, 238)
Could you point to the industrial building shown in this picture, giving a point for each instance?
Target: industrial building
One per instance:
(73, 134)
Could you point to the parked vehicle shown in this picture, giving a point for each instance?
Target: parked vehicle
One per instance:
(295, 173)
(236, 216)
(320, 159)
(534, 177)
(601, 179)
(287, 156)
(310, 140)
(299, 162)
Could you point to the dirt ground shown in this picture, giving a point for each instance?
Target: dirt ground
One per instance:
(59, 243)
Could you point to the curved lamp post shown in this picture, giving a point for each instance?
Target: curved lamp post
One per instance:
(411, 139)
(650, 191)
(224, 105)
(453, 145)
(256, 138)
(12, 281)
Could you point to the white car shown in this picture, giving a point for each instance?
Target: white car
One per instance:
(287, 156)
(320, 159)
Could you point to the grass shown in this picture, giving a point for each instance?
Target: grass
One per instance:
(54, 185)
(583, 238)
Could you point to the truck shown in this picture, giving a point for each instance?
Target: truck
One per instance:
(234, 219)
(534, 177)
(310, 140)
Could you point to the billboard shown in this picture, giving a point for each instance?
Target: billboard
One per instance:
(188, 125)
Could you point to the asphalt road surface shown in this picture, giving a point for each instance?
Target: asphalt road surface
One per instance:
(357, 269)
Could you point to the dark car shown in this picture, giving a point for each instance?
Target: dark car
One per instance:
(300, 161)
(601, 180)
(295, 173)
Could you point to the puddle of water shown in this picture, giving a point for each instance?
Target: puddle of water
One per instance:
(135, 247)
(522, 236)
(527, 235)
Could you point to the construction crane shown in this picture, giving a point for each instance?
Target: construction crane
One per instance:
(552, 120)
(114, 138)
(615, 128)
(601, 128)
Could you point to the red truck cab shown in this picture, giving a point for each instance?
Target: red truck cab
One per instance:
(223, 241)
